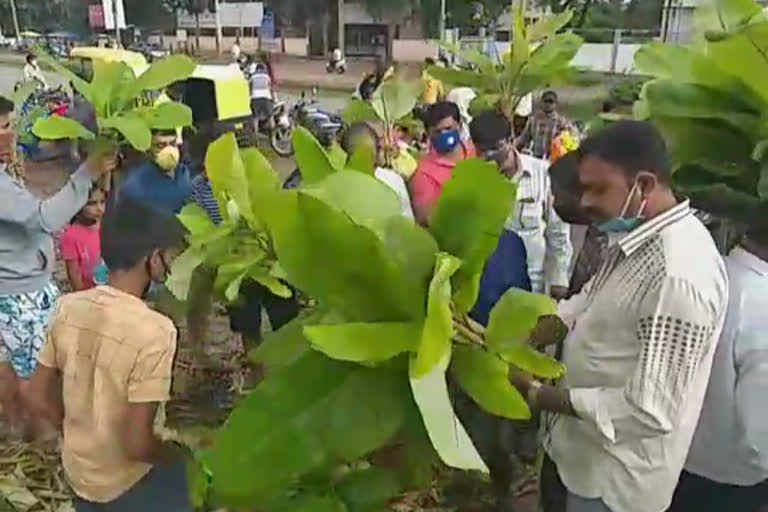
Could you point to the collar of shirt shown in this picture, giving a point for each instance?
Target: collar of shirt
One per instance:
(439, 167)
(749, 260)
(635, 239)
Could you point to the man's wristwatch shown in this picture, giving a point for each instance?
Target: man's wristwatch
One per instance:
(533, 394)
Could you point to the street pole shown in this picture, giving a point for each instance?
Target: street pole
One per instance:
(441, 24)
(117, 22)
(341, 32)
(15, 21)
(219, 42)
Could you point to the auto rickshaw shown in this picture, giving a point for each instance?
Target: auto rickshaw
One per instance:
(220, 99)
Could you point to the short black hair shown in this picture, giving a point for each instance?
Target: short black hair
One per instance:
(355, 130)
(31, 57)
(634, 146)
(439, 111)
(757, 227)
(165, 132)
(564, 173)
(549, 92)
(131, 231)
(430, 61)
(489, 128)
(608, 107)
(6, 106)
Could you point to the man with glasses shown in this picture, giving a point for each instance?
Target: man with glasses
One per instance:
(546, 236)
(546, 124)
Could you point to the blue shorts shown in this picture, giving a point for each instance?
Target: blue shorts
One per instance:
(23, 323)
(163, 489)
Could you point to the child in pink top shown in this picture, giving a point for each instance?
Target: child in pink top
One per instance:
(80, 243)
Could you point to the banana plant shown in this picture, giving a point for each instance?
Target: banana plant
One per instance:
(117, 96)
(363, 371)
(539, 56)
(710, 101)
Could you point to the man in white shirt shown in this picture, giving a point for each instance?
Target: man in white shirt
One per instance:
(643, 333)
(32, 73)
(546, 236)
(727, 466)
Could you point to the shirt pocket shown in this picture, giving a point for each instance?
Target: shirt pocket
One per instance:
(529, 214)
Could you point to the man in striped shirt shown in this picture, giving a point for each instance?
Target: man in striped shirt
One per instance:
(533, 217)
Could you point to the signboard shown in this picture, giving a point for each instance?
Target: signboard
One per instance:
(232, 16)
(96, 16)
(109, 14)
(181, 35)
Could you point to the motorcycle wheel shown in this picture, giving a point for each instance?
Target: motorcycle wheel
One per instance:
(280, 140)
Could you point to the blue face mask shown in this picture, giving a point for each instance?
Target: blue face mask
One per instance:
(622, 223)
(446, 141)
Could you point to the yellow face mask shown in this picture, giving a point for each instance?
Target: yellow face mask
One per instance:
(168, 158)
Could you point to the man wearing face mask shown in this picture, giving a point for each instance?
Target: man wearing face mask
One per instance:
(447, 148)
(642, 334)
(546, 236)
(27, 293)
(106, 367)
(163, 181)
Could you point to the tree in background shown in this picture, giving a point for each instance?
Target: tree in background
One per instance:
(69, 15)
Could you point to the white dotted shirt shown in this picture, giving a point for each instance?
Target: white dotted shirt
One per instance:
(639, 354)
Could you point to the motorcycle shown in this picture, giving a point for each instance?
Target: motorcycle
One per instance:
(41, 103)
(281, 130)
(336, 66)
(322, 124)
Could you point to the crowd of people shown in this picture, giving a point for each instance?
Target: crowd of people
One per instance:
(661, 406)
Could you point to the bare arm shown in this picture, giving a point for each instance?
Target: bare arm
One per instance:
(74, 275)
(43, 394)
(138, 437)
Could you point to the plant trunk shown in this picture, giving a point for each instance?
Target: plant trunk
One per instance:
(197, 31)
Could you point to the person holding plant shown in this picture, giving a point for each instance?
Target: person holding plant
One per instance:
(106, 367)
(643, 333)
(443, 123)
(546, 236)
(81, 244)
(27, 293)
(546, 124)
(727, 465)
(162, 181)
(434, 90)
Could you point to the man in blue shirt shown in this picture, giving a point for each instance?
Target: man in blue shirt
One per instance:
(162, 182)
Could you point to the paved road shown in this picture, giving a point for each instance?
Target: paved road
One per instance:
(332, 100)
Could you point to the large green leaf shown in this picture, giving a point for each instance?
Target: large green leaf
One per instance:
(520, 52)
(361, 342)
(131, 126)
(368, 490)
(358, 110)
(435, 343)
(483, 62)
(485, 378)
(196, 219)
(511, 322)
(183, 267)
(671, 99)
(395, 99)
(744, 55)
(460, 77)
(169, 116)
(285, 346)
(311, 157)
(548, 26)
(311, 412)
(447, 434)
(341, 264)
(468, 220)
(108, 78)
(361, 196)
(80, 85)
(363, 159)
(159, 75)
(548, 62)
(515, 315)
(226, 170)
(57, 127)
